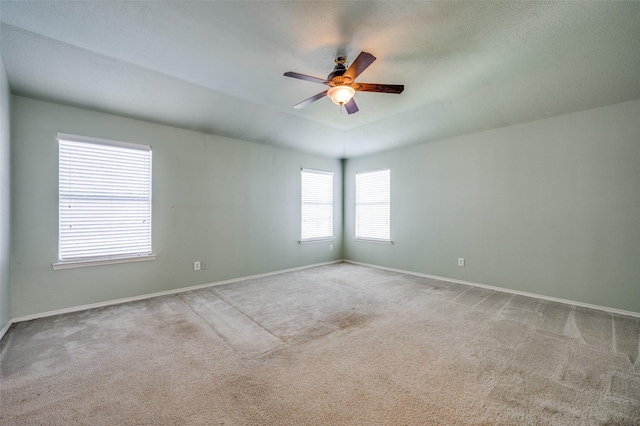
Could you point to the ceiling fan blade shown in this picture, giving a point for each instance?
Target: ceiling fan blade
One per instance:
(361, 63)
(351, 106)
(380, 88)
(305, 77)
(311, 100)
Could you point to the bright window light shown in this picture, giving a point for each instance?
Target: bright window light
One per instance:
(317, 204)
(104, 199)
(373, 205)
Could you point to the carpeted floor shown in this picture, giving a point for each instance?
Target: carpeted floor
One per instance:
(340, 344)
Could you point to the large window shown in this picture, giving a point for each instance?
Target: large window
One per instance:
(104, 201)
(373, 196)
(317, 205)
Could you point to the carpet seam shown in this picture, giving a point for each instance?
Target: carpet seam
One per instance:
(209, 326)
(233, 305)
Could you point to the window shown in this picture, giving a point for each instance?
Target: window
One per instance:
(104, 201)
(317, 205)
(373, 194)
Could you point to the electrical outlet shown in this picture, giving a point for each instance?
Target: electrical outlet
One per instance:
(196, 265)
(203, 265)
(330, 247)
(461, 261)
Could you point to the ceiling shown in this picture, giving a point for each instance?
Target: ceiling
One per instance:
(217, 67)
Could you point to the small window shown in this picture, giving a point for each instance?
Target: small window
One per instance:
(104, 200)
(317, 205)
(373, 196)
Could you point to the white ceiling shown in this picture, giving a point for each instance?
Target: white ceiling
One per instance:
(217, 67)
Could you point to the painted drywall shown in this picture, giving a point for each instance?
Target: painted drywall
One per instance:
(231, 203)
(5, 198)
(550, 207)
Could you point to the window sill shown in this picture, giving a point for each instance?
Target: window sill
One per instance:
(372, 240)
(316, 240)
(85, 263)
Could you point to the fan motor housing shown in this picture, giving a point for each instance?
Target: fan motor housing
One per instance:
(340, 80)
(335, 77)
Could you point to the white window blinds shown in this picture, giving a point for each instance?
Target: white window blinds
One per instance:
(317, 204)
(105, 199)
(373, 200)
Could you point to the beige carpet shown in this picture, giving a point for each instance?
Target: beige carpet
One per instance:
(340, 344)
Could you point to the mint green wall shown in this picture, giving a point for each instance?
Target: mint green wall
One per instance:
(231, 203)
(5, 199)
(549, 207)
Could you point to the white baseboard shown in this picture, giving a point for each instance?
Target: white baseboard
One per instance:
(504, 290)
(299, 268)
(6, 328)
(158, 294)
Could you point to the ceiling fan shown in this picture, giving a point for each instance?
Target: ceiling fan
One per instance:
(342, 85)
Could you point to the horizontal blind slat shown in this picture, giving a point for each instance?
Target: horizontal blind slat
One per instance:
(317, 204)
(373, 202)
(105, 200)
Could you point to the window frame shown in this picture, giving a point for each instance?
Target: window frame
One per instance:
(369, 238)
(66, 262)
(330, 237)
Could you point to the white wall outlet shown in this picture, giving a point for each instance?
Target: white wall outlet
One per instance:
(461, 261)
(330, 247)
(196, 266)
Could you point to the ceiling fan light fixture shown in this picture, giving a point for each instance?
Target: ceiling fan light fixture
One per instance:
(342, 83)
(340, 95)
